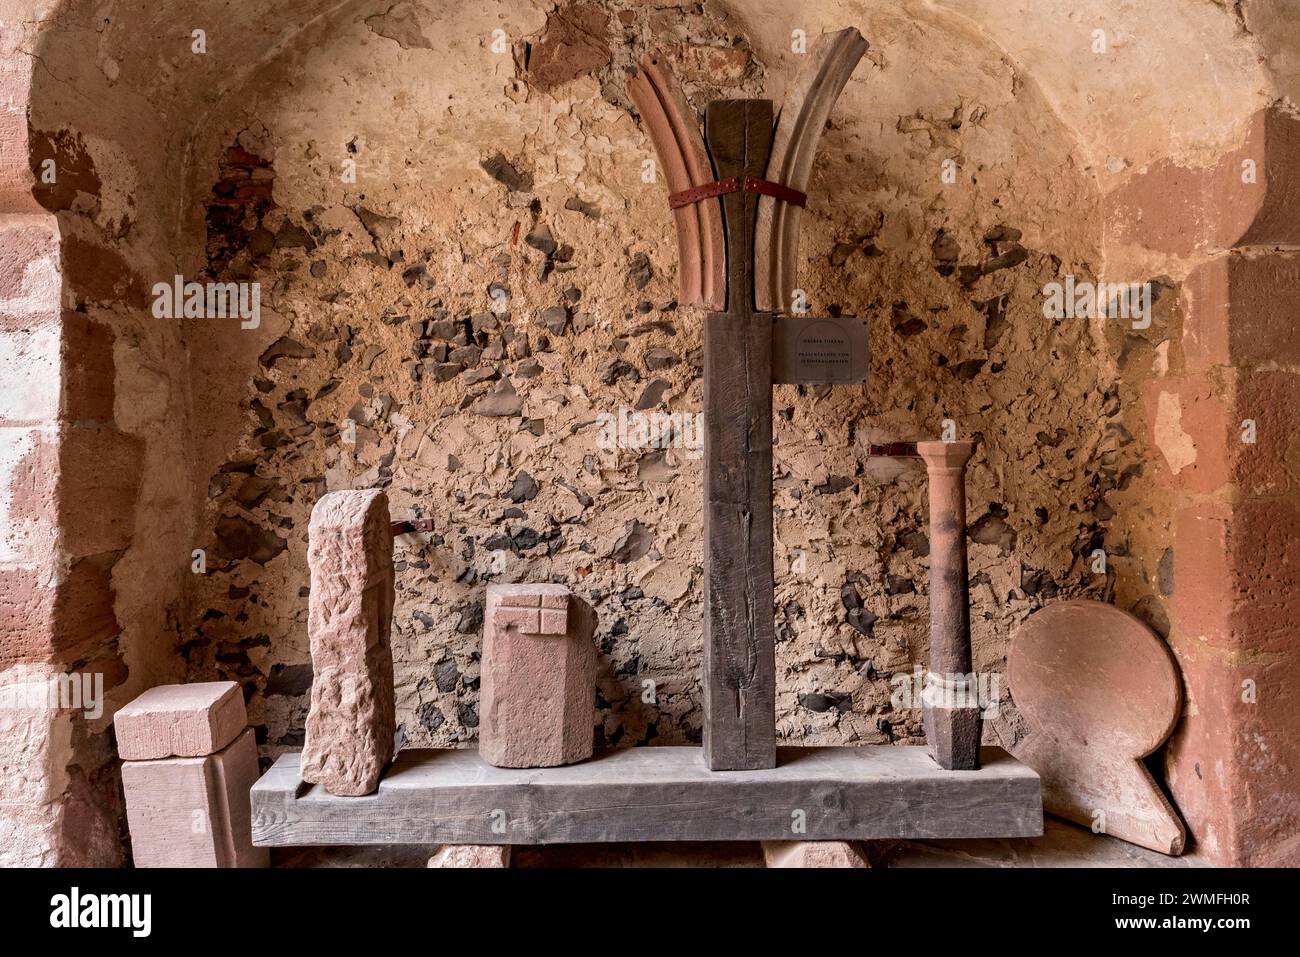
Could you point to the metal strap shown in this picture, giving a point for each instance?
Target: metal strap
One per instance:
(749, 184)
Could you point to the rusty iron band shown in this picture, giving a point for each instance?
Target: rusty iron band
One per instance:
(893, 450)
(735, 184)
(412, 525)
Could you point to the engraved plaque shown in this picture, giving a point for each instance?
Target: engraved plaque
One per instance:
(813, 351)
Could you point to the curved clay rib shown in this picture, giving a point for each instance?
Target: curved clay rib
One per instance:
(675, 133)
(690, 142)
(803, 117)
(659, 127)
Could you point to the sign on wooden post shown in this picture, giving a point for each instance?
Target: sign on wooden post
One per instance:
(819, 350)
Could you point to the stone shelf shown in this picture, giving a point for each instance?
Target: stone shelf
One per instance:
(656, 794)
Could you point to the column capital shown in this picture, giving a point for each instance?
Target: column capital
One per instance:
(946, 456)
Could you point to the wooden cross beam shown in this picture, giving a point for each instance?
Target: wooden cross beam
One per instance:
(745, 352)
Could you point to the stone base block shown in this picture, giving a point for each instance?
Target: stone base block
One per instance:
(472, 855)
(812, 854)
(194, 812)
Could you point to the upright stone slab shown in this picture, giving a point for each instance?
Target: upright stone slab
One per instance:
(538, 679)
(351, 725)
(194, 812)
(182, 721)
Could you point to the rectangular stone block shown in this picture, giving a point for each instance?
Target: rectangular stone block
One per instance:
(186, 721)
(194, 812)
(1240, 309)
(538, 687)
(30, 368)
(352, 722)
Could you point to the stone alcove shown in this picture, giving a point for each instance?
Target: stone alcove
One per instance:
(131, 441)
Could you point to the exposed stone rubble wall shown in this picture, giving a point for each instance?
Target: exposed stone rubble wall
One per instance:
(452, 322)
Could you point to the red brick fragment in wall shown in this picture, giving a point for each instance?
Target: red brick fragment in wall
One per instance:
(1241, 309)
(242, 195)
(575, 43)
(1172, 208)
(710, 65)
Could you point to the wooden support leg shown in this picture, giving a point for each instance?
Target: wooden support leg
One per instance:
(950, 715)
(739, 633)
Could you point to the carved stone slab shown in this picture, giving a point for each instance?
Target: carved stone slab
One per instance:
(812, 351)
(1100, 692)
(538, 682)
(351, 725)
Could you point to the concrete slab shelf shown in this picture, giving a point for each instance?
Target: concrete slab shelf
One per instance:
(656, 794)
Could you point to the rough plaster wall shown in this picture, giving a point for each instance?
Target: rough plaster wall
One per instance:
(949, 276)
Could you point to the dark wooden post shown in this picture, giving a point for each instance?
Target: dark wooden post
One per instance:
(739, 631)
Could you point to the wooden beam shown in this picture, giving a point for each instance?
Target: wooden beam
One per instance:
(739, 630)
(656, 794)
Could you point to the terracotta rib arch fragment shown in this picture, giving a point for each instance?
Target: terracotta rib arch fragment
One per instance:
(675, 132)
(803, 117)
